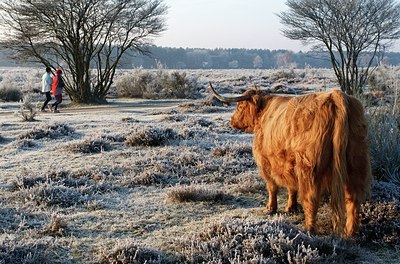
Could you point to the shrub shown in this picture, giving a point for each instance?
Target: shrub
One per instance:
(130, 252)
(178, 85)
(150, 136)
(55, 130)
(385, 191)
(2, 139)
(157, 85)
(89, 145)
(28, 251)
(51, 194)
(135, 85)
(380, 223)
(247, 241)
(281, 75)
(24, 144)
(195, 193)
(147, 178)
(384, 144)
(63, 188)
(27, 110)
(9, 93)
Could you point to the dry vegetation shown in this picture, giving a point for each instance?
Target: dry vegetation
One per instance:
(171, 182)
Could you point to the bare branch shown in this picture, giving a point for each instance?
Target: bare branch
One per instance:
(86, 37)
(349, 30)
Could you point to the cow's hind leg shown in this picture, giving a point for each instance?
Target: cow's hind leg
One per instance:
(291, 206)
(352, 212)
(310, 197)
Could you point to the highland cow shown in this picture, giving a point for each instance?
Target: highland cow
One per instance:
(309, 144)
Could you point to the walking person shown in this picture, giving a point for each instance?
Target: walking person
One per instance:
(47, 80)
(56, 89)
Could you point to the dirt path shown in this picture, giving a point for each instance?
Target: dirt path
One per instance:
(150, 104)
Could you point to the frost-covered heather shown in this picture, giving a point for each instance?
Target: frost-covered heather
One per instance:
(258, 241)
(162, 182)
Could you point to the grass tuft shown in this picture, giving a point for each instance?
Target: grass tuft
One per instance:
(55, 130)
(56, 227)
(150, 136)
(130, 252)
(27, 251)
(195, 193)
(89, 146)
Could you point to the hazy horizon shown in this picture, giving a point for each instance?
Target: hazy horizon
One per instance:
(210, 24)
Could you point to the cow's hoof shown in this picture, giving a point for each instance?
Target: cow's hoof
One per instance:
(311, 231)
(291, 209)
(269, 211)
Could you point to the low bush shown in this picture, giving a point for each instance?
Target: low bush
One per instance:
(247, 241)
(384, 145)
(28, 251)
(89, 145)
(24, 144)
(54, 130)
(130, 252)
(195, 193)
(62, 188)
(157, 85)
(150, 136)
(27, 110)
(9, 93)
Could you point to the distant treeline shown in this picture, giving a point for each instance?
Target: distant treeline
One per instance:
(195, 58)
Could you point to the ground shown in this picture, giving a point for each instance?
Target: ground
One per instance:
(162, 179)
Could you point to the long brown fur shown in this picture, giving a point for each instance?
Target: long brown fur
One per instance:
(310, 144)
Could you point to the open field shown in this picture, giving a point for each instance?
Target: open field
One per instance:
(166, 181)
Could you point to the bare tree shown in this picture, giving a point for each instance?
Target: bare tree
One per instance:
(354, 32)
(87, 38)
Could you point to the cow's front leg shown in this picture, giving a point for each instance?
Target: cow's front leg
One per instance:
(291, 206)
(272, 204)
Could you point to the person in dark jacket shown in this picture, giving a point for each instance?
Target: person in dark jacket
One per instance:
(47, 80)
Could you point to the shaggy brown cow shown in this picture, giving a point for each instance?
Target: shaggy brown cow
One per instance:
(309, 144)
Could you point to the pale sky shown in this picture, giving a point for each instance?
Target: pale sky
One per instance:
(228, 24)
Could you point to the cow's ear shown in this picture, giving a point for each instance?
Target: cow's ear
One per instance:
(258, 101)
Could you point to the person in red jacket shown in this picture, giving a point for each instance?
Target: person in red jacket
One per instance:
(56, 90)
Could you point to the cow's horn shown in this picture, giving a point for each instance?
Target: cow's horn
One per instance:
(228, 99)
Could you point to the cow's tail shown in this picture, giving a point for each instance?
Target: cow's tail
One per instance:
(339, 173)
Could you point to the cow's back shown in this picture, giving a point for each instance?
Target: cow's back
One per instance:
(298, 133)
